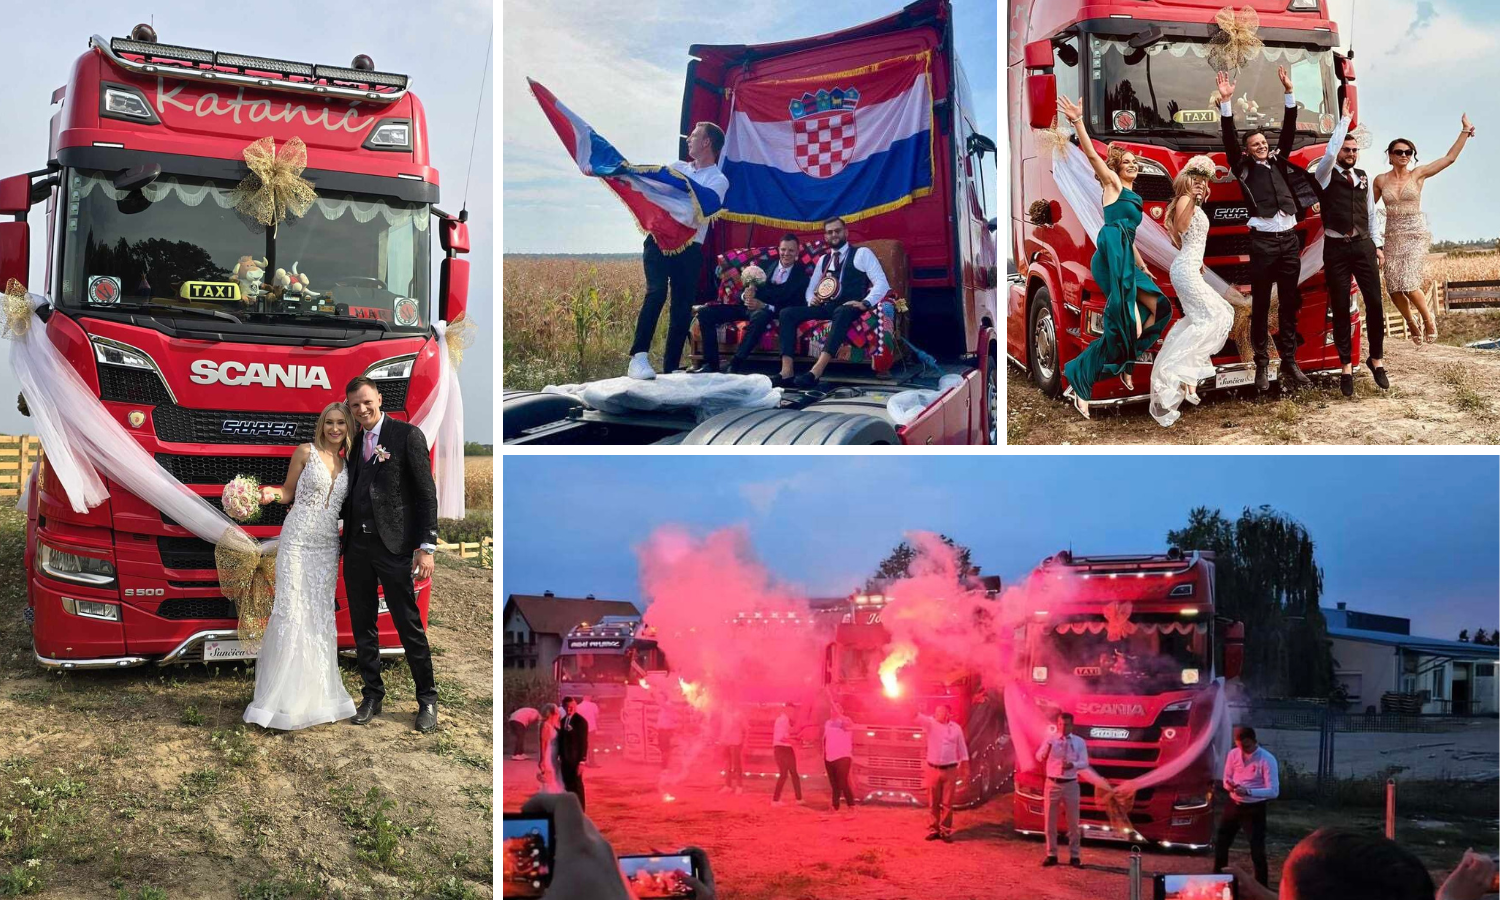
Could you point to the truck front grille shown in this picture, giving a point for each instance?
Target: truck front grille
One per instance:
(1156, 188)
(198, 608)
(271, 514)
(892, 762)
(220, 469)
(392, 394)
(222, 426)
(185, 553)
(124, 384)
(892, 782)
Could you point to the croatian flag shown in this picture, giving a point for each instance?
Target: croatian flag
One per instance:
(666, 204)
(853, 144)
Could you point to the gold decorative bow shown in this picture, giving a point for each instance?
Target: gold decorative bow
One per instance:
(1364, 140)
(17, 310)
(1117, 621)
(1240, 330)
(1237, 40)
(460, 336)
(1117, 805)
(1051, 141)
(248, 577)
(275, 185)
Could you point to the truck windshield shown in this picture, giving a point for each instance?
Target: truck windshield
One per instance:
(1168, 89)
(180, 242)
(1159, 654)
(593, 668)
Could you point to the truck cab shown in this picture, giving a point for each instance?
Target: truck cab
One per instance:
(213, 338)
(613, 661)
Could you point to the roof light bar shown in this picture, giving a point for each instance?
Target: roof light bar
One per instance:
(285, 67)
(163, 52)
(362, 76)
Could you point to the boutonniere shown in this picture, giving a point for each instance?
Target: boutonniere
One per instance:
(381, 454)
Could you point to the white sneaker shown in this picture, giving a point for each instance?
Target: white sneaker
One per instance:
(518, 756)
(640, 367)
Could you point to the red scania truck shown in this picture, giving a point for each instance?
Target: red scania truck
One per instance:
(948, 239)
(1140, 70)
(1140, 683)
(180, 313)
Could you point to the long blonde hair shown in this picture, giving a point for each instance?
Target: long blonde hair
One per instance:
(348, 442)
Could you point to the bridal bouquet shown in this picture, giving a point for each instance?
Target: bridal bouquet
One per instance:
(752, 275)
(241, 498)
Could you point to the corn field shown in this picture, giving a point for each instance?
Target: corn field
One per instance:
(479, 482)
(1463, 266)
(570, 319)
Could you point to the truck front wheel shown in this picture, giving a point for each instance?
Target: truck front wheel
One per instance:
(1041, 337)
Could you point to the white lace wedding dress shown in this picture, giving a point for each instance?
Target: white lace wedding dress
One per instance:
(297, 681)
(1186, 351)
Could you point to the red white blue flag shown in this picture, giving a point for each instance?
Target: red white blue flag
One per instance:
(665, 203)
(854, 144)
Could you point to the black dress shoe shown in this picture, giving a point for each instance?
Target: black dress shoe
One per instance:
(782, 381)
(737, 366)
(1346, 383)
(426, 717)
(947, 838)
(934, 836)
(703, 369)
(806, 381)
(1076, 863)
(1262, 379)
(368, 709)
(1049, 861)
(1293, 375)
(1383, 382)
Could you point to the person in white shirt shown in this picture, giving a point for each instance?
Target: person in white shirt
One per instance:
(732, 740)
(1066, 755)
(838, 756)
(786, 755)
(947, 761)
(785, 287)
(519, 722)
(1275, 253)
(1252, 777)
(590, 712)
(846, 283)
(679, 271)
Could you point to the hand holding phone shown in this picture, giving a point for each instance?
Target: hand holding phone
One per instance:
(584, 862)
(1474, 877)
(659, 877)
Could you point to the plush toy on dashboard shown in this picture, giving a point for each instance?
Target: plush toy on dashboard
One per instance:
(250, 274)
(300, 286)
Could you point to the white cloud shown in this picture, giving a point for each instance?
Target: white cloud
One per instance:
(763, 495)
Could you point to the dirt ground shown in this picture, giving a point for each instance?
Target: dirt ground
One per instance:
(1439, 395)
(760, 852)
(145, 784)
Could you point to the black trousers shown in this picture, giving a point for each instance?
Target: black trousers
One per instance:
(679, 274)
(843, 318)
(1275, 259)
(366, 564)
(712, 316)
(1343, 259)
(1253, 817)
(664, 745)
(838, 779)
(572, 780)
(786, 766)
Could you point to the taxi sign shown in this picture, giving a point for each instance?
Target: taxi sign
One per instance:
(1195, 116)
(209, 290)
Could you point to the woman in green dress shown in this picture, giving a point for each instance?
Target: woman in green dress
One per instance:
(1136, 311)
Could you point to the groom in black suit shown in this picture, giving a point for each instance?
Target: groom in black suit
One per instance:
(390, 533)
(573, 747)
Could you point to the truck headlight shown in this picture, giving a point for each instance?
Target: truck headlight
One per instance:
(1095, 322)
(390, 134)
(388, 369)
(72, 567)
(1303, 6)
(1192, 801)
(91, 609)
(118, 354)
(128, 104)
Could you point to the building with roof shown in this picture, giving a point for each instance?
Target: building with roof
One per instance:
(1383, 665)
(536, 624)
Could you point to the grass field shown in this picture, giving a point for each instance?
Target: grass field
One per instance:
(144, 784)
(570, 319)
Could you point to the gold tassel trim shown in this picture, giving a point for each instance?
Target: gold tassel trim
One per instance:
(17, 310)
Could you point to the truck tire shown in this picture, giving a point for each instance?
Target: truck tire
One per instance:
(1041, 344)
(758, 427)
(524, 410)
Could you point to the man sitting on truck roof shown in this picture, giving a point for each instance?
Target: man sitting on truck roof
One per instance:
(846, 283)
(785, 288)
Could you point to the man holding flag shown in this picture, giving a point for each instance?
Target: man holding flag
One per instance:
(677, 271)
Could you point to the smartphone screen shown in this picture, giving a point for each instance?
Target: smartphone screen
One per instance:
(528, 855)
(1195, 887)
(659, 876)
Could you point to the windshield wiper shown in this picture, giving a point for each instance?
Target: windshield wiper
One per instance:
(215, 313)
(319, 317)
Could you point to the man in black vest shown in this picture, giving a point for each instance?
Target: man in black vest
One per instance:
(846, 282)
(1346, 196)
(573, 748)
(785, 287)
(390, 532)
(1275, 254)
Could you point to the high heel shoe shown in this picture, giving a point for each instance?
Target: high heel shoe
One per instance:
(1431, 335)
(1078, 403)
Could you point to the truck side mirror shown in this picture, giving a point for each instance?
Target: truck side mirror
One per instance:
(453, 289)
(1039, 55)
(1041, 100)
(15, 252)
(1352, 93)
(1234, 650)
(15, 195)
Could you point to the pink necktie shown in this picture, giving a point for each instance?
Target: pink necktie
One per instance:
(369, 445)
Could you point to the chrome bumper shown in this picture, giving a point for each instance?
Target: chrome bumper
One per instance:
(118, 662)
(1207, 384)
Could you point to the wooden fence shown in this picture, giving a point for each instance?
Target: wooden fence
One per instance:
(1459, 296)
(18, 453)
(483, 549)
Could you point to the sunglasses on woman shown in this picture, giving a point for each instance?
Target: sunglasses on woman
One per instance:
(1401, 153)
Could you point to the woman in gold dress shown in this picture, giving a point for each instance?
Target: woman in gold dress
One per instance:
(1406, 236)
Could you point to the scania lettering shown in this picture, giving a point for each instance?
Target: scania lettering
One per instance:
(214, 340)
(1131, 647)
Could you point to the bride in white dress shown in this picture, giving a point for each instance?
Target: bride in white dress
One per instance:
(1186, 351)
(549, 759)
(297, 680)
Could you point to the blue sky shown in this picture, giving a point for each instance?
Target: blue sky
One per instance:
(444, 57)
(1412, 536)
(621, 67)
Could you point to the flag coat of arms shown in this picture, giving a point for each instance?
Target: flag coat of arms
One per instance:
(855, 144)
(665, 203)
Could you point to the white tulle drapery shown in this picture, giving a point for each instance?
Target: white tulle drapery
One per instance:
(1085, 197)
(441, 418)
(396, 214)
(83, 441)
